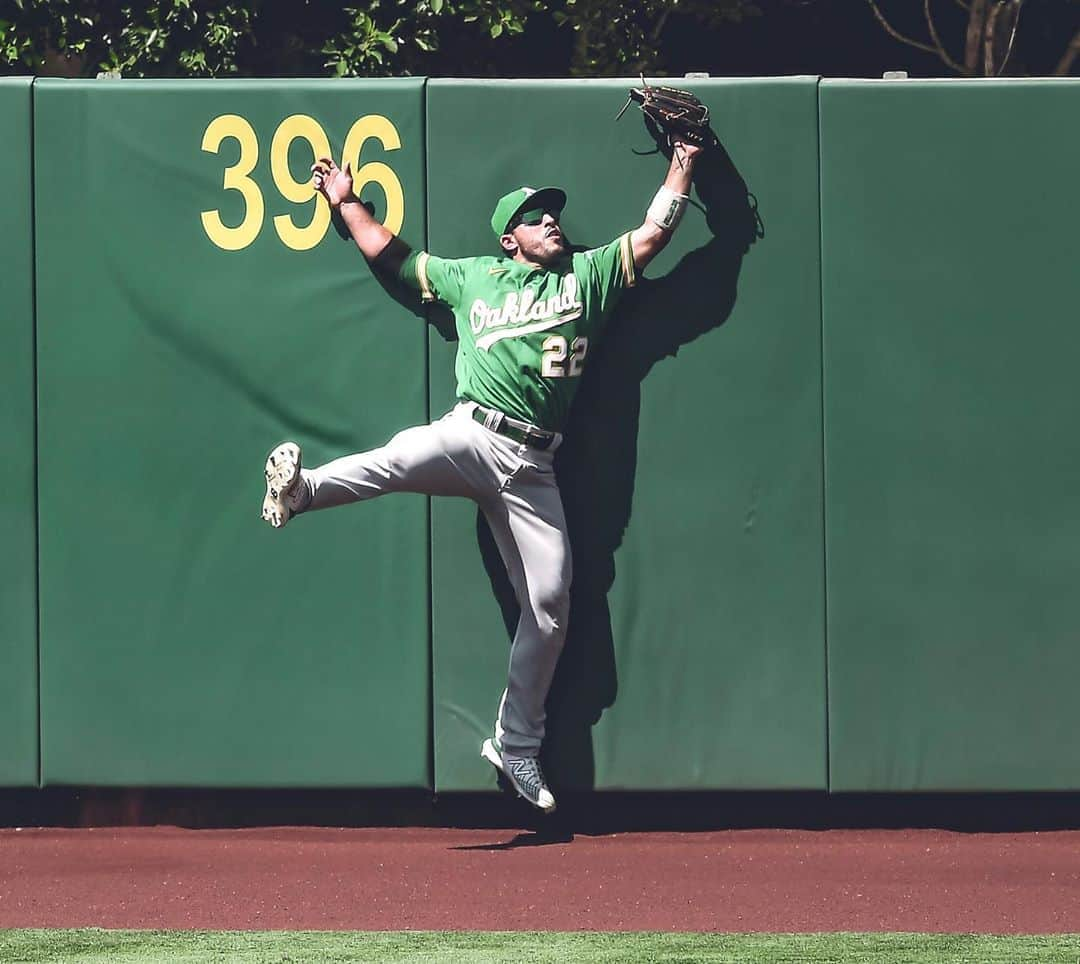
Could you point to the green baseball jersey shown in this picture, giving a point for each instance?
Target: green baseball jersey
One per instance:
(525, 333)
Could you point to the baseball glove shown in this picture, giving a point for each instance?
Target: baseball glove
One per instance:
(671, 115)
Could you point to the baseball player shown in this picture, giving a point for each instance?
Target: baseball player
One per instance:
(527, 324)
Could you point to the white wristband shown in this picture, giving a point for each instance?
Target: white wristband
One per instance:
(667, 208)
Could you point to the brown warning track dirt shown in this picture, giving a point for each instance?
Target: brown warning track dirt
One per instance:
(438, 879)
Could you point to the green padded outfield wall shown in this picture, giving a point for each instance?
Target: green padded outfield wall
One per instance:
(692, 469)
(195, 309)
(18, 563)
(950, 303)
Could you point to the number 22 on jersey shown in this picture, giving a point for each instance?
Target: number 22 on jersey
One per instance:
(556, 364)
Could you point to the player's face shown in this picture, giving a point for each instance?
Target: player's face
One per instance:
(539, 238)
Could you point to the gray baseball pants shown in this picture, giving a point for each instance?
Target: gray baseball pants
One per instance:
(515, 487)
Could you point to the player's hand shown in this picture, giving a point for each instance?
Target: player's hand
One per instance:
(332, 182)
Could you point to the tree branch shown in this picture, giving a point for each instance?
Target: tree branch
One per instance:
(988, 40)
(1067, 58)
(896, 34)
(942, 52)
(976, 19)
(661, 22)
(1015, 8)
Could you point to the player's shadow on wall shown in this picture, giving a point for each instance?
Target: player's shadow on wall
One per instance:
(597, 462)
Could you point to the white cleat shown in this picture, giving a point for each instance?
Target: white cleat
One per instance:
(282, 475)
(524, 774)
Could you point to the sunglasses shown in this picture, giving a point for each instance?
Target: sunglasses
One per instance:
(532, 218)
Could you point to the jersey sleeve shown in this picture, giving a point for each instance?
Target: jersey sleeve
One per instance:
(610, 269)
(437, 279)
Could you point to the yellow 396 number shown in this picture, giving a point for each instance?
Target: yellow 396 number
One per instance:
(302, 236)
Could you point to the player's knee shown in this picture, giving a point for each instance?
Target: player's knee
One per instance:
(394, 468)
(396, 465)
(399, 457)
(552, 609)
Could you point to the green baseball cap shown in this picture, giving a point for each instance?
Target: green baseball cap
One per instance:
(525, 199)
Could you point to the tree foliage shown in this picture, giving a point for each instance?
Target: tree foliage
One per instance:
(216, 38)
(528, 38)
(181, 37)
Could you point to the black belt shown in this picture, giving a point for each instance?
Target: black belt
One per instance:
(513, 428)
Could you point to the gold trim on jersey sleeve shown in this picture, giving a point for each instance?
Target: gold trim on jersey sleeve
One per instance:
(426, 293)
(626, 249)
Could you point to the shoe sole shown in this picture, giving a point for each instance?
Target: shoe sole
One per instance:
(282, 471)
(494, 757)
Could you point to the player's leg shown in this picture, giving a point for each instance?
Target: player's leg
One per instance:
(530, 530)
(425, 459)
(436, 459)
(538, 527)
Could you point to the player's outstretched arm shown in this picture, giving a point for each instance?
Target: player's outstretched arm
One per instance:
(666, 208)
(383, 249)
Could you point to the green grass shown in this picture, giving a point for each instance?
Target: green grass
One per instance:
(293, 947)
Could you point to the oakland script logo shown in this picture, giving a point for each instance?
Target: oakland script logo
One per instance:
(521, 314)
